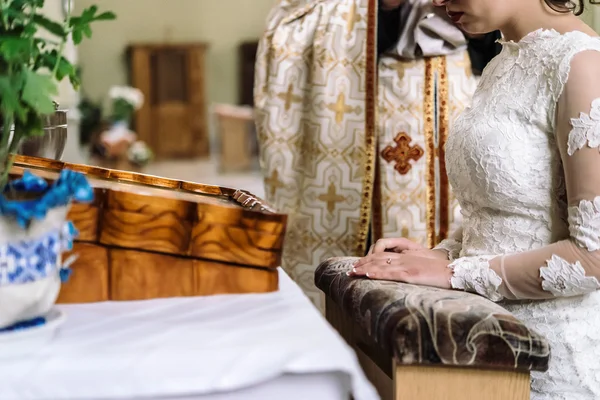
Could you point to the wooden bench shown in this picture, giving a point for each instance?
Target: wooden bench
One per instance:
(423, 343)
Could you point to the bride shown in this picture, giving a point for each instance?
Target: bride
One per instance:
(524, 162)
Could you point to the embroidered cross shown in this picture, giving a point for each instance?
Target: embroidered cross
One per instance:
(402, 66)
(274, 183)
(352, 18)
(289, 97)
(340, 108)
(331, 197)
(402, 153)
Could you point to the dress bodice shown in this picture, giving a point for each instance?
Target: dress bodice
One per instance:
(502, 158)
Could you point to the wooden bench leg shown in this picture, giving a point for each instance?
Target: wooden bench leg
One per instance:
(382, 381)
(440, 383)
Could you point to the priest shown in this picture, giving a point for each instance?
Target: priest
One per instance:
(354, 102)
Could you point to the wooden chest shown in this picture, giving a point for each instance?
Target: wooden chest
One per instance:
(148, 237)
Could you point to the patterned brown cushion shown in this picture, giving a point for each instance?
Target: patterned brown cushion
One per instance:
(424, 325)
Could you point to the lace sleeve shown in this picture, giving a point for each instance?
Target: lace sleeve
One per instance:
(570, 267)
(452, 245)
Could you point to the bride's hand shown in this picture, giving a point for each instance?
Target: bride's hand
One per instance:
(405, 246)
(404, 268)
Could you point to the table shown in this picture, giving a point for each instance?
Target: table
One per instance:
(216, 347)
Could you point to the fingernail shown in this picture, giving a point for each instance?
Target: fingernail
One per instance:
(367, 275)
(354, 270)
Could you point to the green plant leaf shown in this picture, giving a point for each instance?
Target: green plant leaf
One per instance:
(15, 14)
(89, 13)
(33, 125)
(30, 30)
(15, 49)
(65, 68)
(10, 86)
(38, 91)
(87, 31)
(51, 26)
(9, 100)
(122, 110)
(20, 4)
(77, 36)
(80, 26)
(75, 21)
(106, 16)
(75, 81)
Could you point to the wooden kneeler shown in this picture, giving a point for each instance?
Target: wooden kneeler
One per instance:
(423, 343)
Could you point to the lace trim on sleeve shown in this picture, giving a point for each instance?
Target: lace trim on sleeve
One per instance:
(586, 130)
(584, 224)
(473, 274)
(564, 279)
(451, 246)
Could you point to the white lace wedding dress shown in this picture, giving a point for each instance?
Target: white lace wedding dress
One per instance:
(524, 163)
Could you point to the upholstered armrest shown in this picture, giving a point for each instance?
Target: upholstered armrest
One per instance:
(428, 326)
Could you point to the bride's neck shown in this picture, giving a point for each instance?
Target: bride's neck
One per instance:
(529, 21)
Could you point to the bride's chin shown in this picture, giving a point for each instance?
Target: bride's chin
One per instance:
(473, 29)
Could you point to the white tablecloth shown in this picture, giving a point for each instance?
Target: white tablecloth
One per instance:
(183, 347)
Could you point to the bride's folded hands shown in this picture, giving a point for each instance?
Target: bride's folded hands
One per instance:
(404, 261)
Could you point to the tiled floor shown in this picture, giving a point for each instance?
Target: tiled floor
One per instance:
(207, 171)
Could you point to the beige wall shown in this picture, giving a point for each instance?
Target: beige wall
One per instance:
(221, 23)
(595, 17)
(591, 16)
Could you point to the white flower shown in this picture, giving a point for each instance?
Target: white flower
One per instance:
(131, 95)
(139, 153)
(473, 274)
(584, 224)
(586, 129)
(564, 279)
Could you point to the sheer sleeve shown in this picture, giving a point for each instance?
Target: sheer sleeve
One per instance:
(452, 245)
(570, 267)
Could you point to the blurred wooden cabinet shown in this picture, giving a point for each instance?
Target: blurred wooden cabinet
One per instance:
(173, 119)
(246, 63)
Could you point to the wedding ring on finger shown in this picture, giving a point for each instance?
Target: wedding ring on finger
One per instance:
(388, 261)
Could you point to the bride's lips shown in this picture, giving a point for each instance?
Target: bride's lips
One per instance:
(455, 16)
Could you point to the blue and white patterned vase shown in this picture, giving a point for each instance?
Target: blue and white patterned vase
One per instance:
(34, 234)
